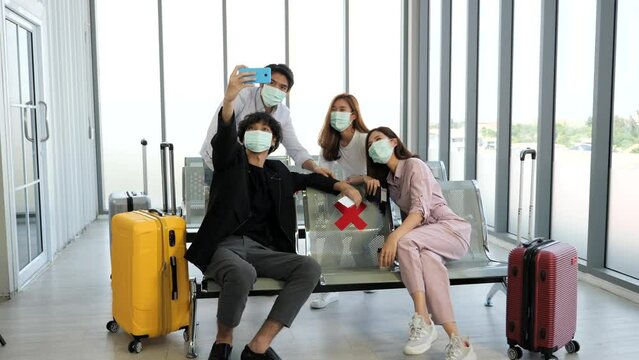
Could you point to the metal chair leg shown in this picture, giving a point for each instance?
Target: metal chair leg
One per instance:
(191, 354)
(2, 342)
(493, 290)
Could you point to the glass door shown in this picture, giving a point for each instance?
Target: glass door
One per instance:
(28, 132)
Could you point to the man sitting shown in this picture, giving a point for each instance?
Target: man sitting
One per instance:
(249, 230)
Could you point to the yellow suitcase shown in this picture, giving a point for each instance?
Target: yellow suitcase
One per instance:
(149, 274)
(150, 280)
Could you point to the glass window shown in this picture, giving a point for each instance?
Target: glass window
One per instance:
(319, 74)
(193, 74)
(375, 60)
(458, 89)
(129, 93)
(255, 32)
(573, 122)
(623, 248)
(525, 101)
(487, 104)
(434, 89)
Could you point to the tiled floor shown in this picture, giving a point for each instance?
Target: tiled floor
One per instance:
(63, 313)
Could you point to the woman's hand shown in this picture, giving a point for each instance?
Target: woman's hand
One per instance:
(371, 185)
(388, 252)
(349, 191)
(354, 195)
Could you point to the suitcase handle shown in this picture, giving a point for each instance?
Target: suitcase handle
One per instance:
(526, 151)
(174, 287)
(129, 200)
(536, 242)
(163, 148)
(522, 157)
(154, 211)
(145, 181)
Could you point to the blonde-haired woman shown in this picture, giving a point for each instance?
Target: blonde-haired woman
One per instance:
(343, 150)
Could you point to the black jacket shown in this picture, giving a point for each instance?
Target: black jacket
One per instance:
(230, 203)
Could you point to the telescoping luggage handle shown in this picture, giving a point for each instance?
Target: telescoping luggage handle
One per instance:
(522, 157)
(144, 170)
(131, 194)
(163, 148)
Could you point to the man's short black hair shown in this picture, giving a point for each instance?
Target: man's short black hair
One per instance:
(266, 119)
(284, 70)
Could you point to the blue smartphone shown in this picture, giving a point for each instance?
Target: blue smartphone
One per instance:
(262, 75)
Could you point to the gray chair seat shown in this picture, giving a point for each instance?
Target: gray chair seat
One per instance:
(348, 258)
(340, 279)
(262, 285)
(476, 271)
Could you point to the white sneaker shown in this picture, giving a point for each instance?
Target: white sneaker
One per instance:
(460, 348)
(420, 336)
(320, 301)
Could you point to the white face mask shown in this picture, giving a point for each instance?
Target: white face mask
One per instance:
(258, 141)
(272, 96)
(381, 150)
(340, 120)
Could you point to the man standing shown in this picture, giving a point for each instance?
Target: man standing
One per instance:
(243, 98)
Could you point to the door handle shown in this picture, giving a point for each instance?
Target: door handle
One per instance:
(25, 110)
(26, 126)
(46, 120)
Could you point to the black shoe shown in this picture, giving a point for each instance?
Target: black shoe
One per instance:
(220, 351)
(270, 354)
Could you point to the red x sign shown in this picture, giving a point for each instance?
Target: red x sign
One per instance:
(350, 215)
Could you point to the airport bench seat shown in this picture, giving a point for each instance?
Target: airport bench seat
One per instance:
(349, 258)
(460, 273)
(463, 198)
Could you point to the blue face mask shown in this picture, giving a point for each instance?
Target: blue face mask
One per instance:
(381, 150)
(340, 120)
(257, 141)
(272, 96)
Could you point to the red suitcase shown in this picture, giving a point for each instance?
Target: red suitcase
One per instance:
(541, 305)
(541, 302)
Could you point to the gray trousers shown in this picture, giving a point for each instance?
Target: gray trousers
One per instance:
(237, 263)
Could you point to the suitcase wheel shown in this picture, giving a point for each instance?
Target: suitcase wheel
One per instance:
(113, 327)
(135, 346)
(572, 346)
(515, 352)
(185, 335)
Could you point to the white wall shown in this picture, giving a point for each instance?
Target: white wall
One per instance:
(70, 178)
(5, 225)
(71, 153)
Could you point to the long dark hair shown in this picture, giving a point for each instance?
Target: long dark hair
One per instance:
(328, 139)
(380, 171)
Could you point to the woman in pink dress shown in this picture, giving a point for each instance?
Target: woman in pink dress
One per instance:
(429, 235)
